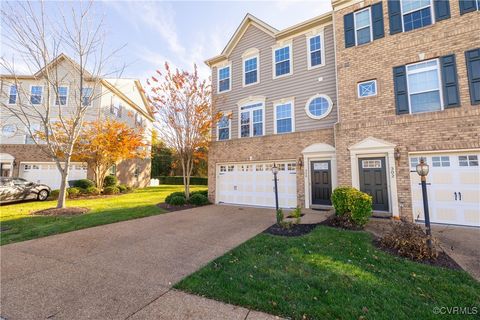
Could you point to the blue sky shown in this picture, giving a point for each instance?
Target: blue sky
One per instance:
(184, 32)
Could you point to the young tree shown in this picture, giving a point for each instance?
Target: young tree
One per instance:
(183, 105)
(39, 36)
(104, 143)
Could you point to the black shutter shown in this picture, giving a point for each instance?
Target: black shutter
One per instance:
(395, 16)
(401, 90)
(451, 96)
(467, 6)
(472, 58)
(442, 9)
(377, 20)
(349, 30)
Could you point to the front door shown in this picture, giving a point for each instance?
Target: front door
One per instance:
(373, 180)
(5, 169)
(321, 182)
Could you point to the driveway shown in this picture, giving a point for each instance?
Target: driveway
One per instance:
(121, 270)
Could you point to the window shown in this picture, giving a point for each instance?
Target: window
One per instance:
(315, 57)
(251, 120)
(116, 110)
(468, 161)
(284, 118)
(319, 106)
(423, 80)
(230, 168)
(371, 164)
(62, 95)
(367, 89)
(113, 170)
(282, 61)
(87, 96)
(250, 70)
(9, 130)
(223, 127)
(224, 79)
(363, 26)
(416, 14)
(281, 166)
(36, 94)
(28, 138)
(136, 173)
(223, 169)
(441, 161)
(292, 166)
(259, 167)
(12, 97)
(138, 119)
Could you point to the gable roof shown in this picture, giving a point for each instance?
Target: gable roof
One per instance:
(274, 33)
(61, 57)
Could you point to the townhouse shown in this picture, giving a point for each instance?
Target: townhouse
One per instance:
(353, 97)
(119, 99)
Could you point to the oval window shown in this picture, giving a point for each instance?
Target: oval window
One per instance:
(318, 106)
(9, 130)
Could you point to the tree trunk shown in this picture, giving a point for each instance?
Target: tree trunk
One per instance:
(63, 185)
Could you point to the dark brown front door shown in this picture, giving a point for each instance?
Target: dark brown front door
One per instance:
(321, 182)
(373, 180)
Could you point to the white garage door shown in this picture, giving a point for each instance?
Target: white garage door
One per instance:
(453, 186)
(47, 173)
(252, 184)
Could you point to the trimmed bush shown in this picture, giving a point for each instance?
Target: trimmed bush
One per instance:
(174, 194)
(110, 181)
(54, 194)
(111, 190)
(198, 199)
(122, 187)
(356, 204)
(83, 183)
(94, 191)
(340, 199)
(177, 201)
(202, 192)
(73, 192)
(178, 180)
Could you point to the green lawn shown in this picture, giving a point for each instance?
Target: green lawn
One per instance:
(23, 226)
(330, 274)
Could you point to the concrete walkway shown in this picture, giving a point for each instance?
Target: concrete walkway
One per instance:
(127, 269)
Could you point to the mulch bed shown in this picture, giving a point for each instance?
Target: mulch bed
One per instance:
(295, 230)
(292, 217)
(340, 222)
(443, 259)
(171, 208)
(72, 211)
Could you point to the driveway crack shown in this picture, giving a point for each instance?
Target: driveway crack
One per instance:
(147, 304)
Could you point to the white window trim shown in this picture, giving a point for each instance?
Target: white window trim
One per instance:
(42, 96)
(369, 26)
(432, 13)
(330, 107)
(251, 118)
(9, 93)
(229, 129)
(322, 51)
(373, 95)
(292, 111)
(91, 95)
(55, 97)
(440, 89)
(229, 65)
(290, 50)
(243, 69)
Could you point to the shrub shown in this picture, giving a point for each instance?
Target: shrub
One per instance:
(353, 203)
(111, 190)
(73, 192)
(178, 180)
(94, 191)
(340, 198)
(177, 201)
(280, 216)
(203, 192)
(297, 214)
(122, 187)
(54, 194)
(174, 194)
(198, 199)
(361, 208)
(110, 181)
(409, 240)
(83, 183)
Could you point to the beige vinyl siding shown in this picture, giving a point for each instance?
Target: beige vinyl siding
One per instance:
(302, 84)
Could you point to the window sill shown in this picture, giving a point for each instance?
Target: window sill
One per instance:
(283, 76)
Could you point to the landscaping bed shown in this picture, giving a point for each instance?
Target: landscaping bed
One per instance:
(295, 230)
(71, 211)
(171, 208)
(330, 274)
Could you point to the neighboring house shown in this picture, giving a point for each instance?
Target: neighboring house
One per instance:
(121, 99)
(407, 76)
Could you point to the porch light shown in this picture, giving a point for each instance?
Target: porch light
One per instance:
(396, 154)
(422, 168)
(300, 162)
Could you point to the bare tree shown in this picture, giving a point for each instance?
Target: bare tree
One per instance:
(41, 37)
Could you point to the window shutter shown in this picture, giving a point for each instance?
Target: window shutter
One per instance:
(472, 58)
(442, 9)
(467, 6)
(451, 96)
(377, 21)
(349, 29)
(395, 16)
(401, 90)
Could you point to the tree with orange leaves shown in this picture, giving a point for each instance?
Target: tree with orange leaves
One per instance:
(104, 143)
(183, 105)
